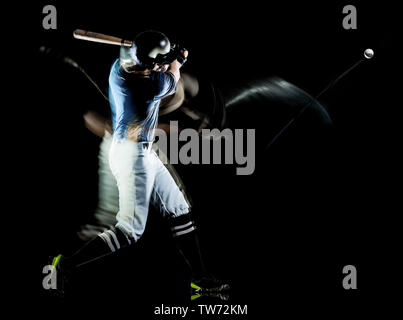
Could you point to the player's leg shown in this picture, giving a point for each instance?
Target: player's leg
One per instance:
(102, 245)
(169, 199)
(132, 167)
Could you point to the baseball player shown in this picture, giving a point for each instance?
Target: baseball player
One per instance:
(136, 87)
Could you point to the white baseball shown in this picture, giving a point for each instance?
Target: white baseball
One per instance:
(369, 53)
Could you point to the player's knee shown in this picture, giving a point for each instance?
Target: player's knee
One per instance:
(177, 211)
(131, 230)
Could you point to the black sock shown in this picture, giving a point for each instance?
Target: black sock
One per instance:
(102, 245)
(187, 241)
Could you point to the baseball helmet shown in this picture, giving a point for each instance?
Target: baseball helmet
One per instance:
(147, 46)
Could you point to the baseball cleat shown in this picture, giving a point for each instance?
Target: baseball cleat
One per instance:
(208, 284)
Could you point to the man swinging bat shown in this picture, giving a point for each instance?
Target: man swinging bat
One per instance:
(137, 83)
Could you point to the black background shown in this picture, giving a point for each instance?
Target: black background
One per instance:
(282, 235)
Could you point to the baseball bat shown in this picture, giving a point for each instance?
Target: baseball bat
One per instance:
(99, 37)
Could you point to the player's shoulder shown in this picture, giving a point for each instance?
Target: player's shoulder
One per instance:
(116, 71)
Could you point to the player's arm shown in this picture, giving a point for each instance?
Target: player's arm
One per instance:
(175, 66)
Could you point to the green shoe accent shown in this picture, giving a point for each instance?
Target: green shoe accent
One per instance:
(195, 296)
(194, 286)
(56, 260)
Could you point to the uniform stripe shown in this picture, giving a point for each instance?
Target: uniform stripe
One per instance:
(114, 238)
(181, 226)
(106, 238)
(179, 233)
